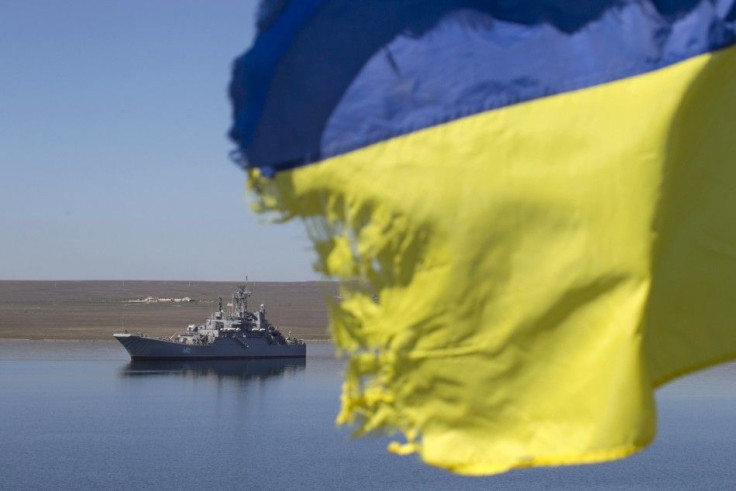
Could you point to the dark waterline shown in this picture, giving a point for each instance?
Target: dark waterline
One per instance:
(79, 415)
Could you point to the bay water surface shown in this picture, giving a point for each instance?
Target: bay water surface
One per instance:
(80, 415)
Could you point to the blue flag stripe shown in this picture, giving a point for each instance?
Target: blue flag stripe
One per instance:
(363, 77)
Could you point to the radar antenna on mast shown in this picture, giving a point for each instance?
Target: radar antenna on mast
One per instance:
(240, 300)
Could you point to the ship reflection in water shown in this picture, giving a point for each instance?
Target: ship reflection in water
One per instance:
(219, 369)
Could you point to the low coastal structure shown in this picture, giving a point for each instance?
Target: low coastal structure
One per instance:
(162, 300)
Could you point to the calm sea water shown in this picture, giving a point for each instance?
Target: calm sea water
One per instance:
(79, 415)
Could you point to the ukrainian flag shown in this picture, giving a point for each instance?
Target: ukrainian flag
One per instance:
(541, 193)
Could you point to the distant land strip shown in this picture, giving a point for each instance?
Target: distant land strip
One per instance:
(94, 310)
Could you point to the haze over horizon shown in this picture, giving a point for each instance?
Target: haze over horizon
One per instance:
(115, 154)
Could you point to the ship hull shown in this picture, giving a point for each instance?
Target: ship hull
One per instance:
(141, 348)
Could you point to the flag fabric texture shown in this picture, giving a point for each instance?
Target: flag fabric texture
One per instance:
(542, 195)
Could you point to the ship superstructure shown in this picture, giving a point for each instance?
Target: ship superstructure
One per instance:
(236, 334)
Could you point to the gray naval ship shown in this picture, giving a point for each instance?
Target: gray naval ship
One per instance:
(237, 334)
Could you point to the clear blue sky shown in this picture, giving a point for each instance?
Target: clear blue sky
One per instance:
(113, 147)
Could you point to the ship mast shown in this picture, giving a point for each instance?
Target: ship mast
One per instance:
(240, 301)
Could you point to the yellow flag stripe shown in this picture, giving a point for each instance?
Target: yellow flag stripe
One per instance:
(540, 268)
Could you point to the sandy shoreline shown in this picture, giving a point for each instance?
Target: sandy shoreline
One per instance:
(94, 310)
